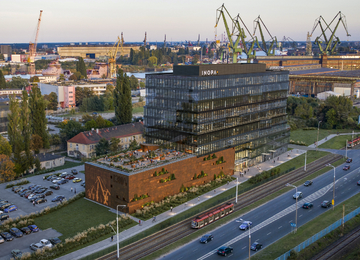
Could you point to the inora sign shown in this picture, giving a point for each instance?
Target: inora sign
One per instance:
(209, 72)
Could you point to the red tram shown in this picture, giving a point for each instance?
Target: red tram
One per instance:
(212, 215)
(353, 142)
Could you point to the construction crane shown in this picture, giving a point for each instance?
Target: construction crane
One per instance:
(269, 51)
(198, 42)
(32, 47)
(122, 43)
(327, 45)
(233, 45)
(165, 41)
(112, 58)
(144, 41)
(308, 45)
(287, 41)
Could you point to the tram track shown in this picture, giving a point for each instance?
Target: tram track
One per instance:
(168, 235)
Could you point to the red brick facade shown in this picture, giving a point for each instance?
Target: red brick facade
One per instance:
(110, 187)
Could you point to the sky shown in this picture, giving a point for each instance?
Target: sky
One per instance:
(103, 20)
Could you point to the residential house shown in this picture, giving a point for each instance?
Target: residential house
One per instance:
(52, 160)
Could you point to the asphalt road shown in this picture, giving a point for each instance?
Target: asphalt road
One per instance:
(271, 221)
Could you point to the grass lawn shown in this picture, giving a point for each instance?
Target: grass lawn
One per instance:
(75, 217)
(337, 142)
(310, 136)
(84, 113)
(68, 165)
(138, 110)
(308, 230)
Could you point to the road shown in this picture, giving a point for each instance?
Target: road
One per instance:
(271, 221)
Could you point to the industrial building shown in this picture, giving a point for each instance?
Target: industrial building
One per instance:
(65, 94)
(208, 108)
(93, 51)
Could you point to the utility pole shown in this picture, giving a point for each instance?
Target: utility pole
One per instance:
(346, 148)
(317, 140)
(305, 161)
(236, 195)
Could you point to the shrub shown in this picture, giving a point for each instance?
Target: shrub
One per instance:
(21, 182)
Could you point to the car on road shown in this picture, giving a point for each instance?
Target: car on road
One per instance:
(46, 243)
(297, 195)
(55, 240)
(48, 193)
(36, 246)
(4, 216)
(69, 177)
(74, 171)
(7, 236)
(25, 230)
(346, 167)
(55, 187)
(225, 250)
(40, 200)
(15, 232)
(308, 183)
(358, 183)
(33, 228)
(307, 205)
(206, 238)
(256, 246)
(326, 204)
(58, 198)
(63, 181)
(349, 160)
(10, 208)
(77, 180)
(16, 253)
(245, 225)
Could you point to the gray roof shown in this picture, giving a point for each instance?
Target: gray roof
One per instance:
(43, 157)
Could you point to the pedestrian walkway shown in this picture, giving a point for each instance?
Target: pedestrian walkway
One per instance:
(126, 234)
(329, 137)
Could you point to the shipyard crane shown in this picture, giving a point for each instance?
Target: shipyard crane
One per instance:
(144, 41)
(233, 45)
(238, 30)
(32, 47)
(165, 41)
(327, 44)
(290, 42)
(270, 51)
(112, 58)
(122, 43)
(198, 42)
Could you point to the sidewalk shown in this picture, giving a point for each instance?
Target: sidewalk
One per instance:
(328, 138)
(181, 208)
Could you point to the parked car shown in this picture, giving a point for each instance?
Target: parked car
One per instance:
(4, 206)
(4, 216)
(48, 193)
(25, 230)
(15, 232)
(2, 240)
(14, 188)
(7, 236)
(63, 181)
(83, 184)
(58, 198)
(54, 240)
(32, 195)
(69, 177)
(63, 174)
(349, 160)
(206, 238)
(16, 253)
(308, 183)
(346, 167)
(23, 193)
(225, 250)
(256, 246)
(307, 205)
(40, 200)
(55, 187)
(10, 208)
(3, 201)
(77, 180)
(28, 194)
(326, 204)
(74, 171)
(36, 246)
(46, 243)
(18, 189)
(33, 228)
(245, 225)
(297, 195)
(56, 180)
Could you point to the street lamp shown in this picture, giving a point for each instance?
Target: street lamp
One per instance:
(305, 161)
(117, 229)
(240, 219)
(317, 139)
(333, 201)
(296, 197)
(236, 195)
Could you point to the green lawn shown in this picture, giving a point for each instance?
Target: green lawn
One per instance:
(75, 217)
(337, 142)
(310, 136)
(138, 110)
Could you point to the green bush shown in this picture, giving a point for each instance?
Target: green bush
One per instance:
(18, 183)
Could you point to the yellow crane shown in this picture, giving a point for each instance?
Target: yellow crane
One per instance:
(122, 43)
(32, 47)
(112, 58)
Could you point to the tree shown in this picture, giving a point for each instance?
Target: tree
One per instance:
(153, 60)
(102, 147)
(37, 164)
(195, 59)
(114, 144)
(52, 99)
(17, 83)
(38, 115)
(26, 130)
(36, 143)
(7, 172)
(62, 77)
(2, 56)
(80, 67)
(90, 125)
(81, 93)
(133, 82)
(34, 79)
(2, 80)
(5, 147)
(133, 144)
(69, 129)
(55, 139)
(122, 99)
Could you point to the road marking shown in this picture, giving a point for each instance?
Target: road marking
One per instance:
(269, 233)
(256, 240)
(222, 235)
(342, 192)
(349, 188)
(279, 227)
(243, 247)
(290, 221)
(300, 216)
(194, 250)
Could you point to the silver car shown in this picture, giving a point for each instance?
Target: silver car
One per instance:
(297, 195)
(36, 246)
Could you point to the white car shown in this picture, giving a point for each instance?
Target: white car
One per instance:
(46, 243)
(63, 174)
(56, 180)
(1, 211)
(297, 195)
(31, 196)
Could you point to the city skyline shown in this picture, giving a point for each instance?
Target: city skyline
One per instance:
(103, 21)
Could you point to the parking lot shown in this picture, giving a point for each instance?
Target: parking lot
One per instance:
(25, 207)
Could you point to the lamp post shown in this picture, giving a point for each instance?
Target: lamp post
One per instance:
(240, 219)
(317, 139)
(346, 145)
(296, 197)
(305, 161)
(117, 229)
(236, 194)
(333, 201)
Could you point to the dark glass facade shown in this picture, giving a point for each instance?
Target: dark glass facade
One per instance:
(207, 114)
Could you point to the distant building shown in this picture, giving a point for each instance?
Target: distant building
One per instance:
(52, 160)
(93, 51)
(326, 94)
(65, 94)
(5, 49)
(83, 144)
(99, 71)
(53, 69)
(98, 89)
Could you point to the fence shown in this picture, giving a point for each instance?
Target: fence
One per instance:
(319, 235)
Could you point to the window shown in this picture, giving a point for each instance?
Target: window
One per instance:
(70, 145)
